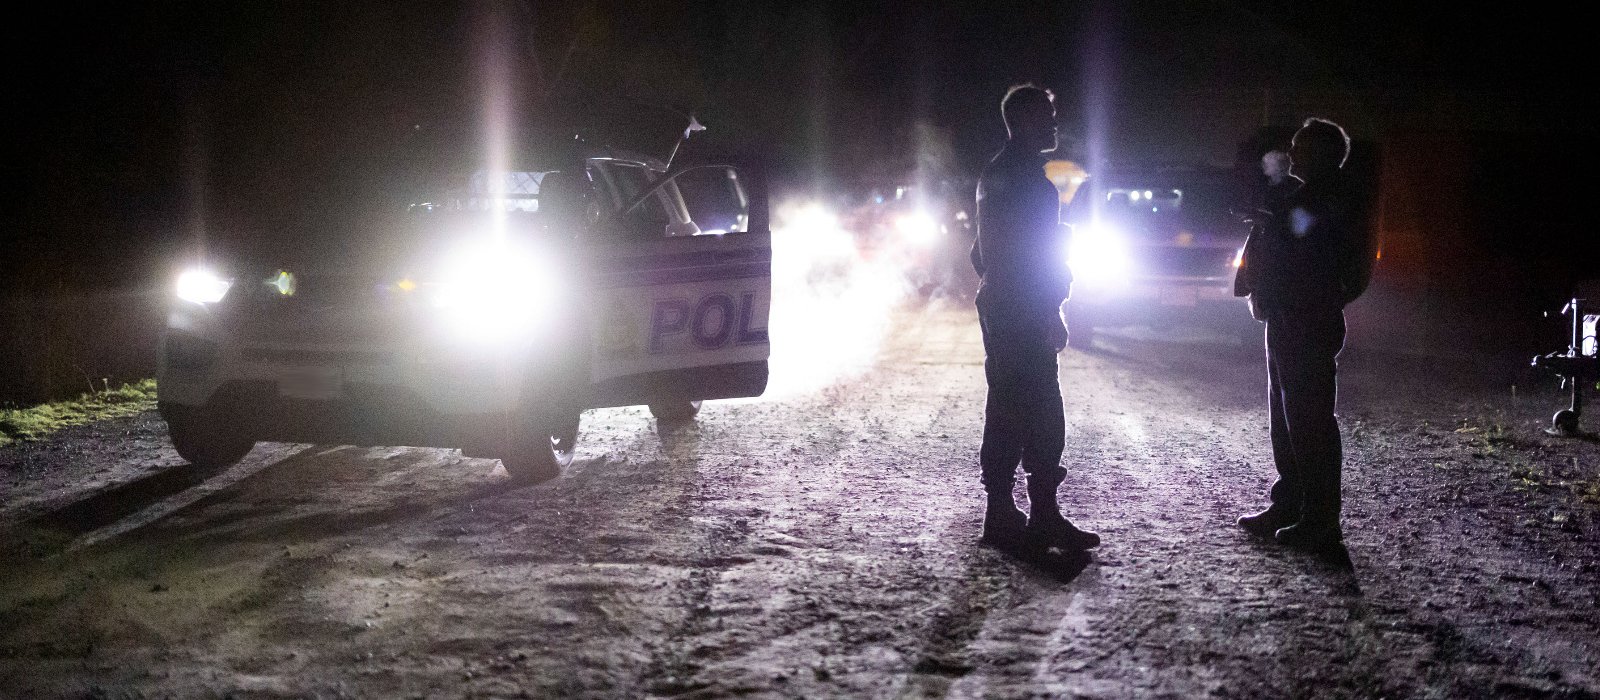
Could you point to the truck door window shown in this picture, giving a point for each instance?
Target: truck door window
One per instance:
(715, 200)
(651, 218)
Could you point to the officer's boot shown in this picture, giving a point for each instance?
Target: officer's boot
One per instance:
(1003, 525)
(1316, 533)
(1274, 518)
(1047, 527)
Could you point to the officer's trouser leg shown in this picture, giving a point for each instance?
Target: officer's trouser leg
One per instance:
(1286, 491)
(1023, 418)
(1003, 437)
(1047, 423)
(1305, 347)
(1004, 424)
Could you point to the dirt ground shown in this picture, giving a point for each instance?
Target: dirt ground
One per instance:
(824, 545)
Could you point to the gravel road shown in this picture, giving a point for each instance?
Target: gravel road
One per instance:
(824, 544)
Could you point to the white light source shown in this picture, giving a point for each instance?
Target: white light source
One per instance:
(917, 228)
(818, 235)
(202, 286)
(495, 289)
(1098, 255)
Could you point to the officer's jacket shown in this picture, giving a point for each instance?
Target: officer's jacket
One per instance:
(1020, 251)
(1268, 204)
(1315, 249)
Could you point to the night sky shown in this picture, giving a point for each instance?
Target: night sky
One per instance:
(136, 129)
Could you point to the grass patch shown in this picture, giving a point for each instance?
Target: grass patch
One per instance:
(38, 421)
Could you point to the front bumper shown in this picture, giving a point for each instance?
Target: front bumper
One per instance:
(1158, 302)
(400, 389)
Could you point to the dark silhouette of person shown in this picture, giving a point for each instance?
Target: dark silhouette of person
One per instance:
(1020, 254)
(1312, 259)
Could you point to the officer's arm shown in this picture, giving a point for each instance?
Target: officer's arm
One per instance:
(998, 228)
(1054, 238)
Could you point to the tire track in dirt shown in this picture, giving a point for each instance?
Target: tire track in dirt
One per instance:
(847, 544)
(1149, 470)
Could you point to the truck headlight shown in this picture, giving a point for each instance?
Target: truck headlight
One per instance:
(202, 286)
(495, 289)
(1099, 254)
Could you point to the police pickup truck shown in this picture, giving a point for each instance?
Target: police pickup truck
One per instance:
(512, 302)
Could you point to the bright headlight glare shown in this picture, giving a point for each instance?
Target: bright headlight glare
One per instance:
(819, 232)
(918, 228)
(1098, 253)
(495, 289)
(202, 286)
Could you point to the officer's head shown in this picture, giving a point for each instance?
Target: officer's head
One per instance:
(1030, 114)
(1319, 149)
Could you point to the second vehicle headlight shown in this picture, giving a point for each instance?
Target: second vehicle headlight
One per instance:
(1098, 253)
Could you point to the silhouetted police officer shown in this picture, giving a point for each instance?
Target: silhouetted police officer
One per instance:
(1313, 259)
(1020, 255)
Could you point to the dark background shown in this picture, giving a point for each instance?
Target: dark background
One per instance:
(142, 135)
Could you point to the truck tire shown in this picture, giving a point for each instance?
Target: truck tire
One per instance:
(675, 411)
(203, 438)
(543, 450)
(1565, 423)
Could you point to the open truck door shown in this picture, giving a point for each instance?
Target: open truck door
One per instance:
(682, 272)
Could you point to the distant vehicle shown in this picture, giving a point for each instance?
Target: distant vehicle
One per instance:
(923, 231)
(1155, 248)
(513, 302)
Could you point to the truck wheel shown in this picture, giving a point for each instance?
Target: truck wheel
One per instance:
(202, 438)
(544, 450)
(675, 411)
(1565, 422)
